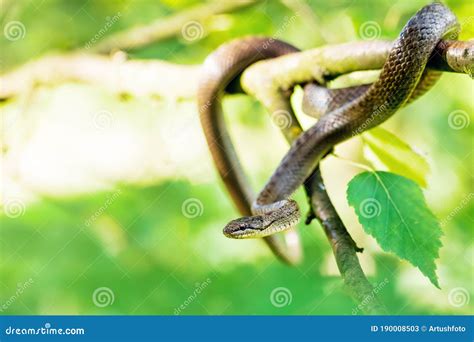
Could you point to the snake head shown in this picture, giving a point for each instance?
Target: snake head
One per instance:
(245, 227)
(273, 218)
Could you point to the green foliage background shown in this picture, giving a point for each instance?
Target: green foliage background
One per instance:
(152, 256)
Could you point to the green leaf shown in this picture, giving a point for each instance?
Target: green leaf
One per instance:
(393, 210)
(387, 152)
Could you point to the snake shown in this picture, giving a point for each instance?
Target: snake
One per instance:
(220, 71)
(341, 114)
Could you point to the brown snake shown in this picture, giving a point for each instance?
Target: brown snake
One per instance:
(220, 68)
(347, 112)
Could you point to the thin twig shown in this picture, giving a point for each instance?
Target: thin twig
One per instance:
(168, 27)
(311, 22)
(343, 246)
(321, 208)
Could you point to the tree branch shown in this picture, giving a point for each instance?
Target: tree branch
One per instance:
(160, 78)
(343, 246)
(163, 28)
(265, 78)
(115, 73)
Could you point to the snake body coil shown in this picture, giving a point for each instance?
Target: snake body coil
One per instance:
(219, 70)
(400, 76)
(347, 112)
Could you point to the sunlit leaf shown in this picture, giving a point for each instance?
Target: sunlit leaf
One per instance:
(389, 153)
(393, 210)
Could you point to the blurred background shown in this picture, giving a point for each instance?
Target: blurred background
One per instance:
(111, 204)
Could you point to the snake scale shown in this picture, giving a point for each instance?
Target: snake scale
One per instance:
(342, 114)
